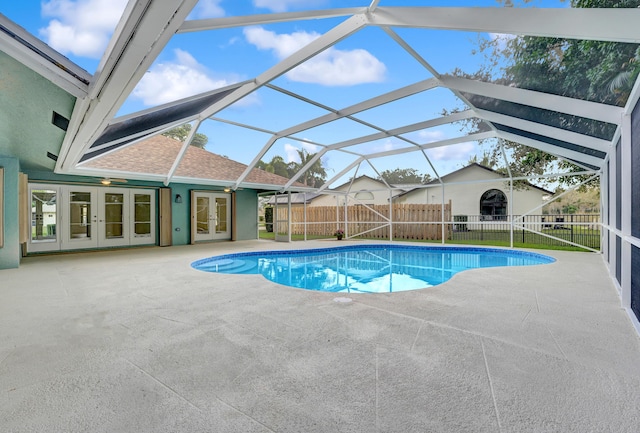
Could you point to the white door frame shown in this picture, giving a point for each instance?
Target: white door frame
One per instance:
(212, 218)
(94, 222)
(35, 245)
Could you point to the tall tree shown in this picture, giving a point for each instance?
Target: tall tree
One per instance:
(403, 176)
(277, 165)
(182, 132)
(597, 71)
(314, 176)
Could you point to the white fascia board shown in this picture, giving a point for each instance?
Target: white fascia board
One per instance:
(614, 24)
(332, 37)
(41, 58)
(253, 20)
(575, 157)
(129, 175)
(547, 101)
(548, 131)
(142, 33)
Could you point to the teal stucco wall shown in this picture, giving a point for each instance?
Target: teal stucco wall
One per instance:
(246, 204)
(246, 212)
(246, 215)
(10, 252)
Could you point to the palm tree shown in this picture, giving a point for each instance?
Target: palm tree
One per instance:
(622, 83)
(314, 176)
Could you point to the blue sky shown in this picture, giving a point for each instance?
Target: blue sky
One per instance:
(365, 65)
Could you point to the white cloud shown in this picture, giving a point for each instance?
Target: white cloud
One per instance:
(284, 5)
(291, 151)
(207, 9)
(429, 136)
(332, 67)
(460, 151)
(81, 27)
(170, 81)
(385, 146)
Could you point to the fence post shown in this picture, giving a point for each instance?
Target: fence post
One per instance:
(571, 225)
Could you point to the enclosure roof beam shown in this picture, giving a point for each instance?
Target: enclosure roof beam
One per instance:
(584, 160)
(440, 143)
(455, 117)
(141, 34)
(562, 104)
(254, 20)
(340, 174)
(613, 24)
(330, 38)
(586, 141)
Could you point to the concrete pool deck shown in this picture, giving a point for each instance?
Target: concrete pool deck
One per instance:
(137, 341)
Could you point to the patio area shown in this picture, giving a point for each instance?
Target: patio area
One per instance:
(137, 341)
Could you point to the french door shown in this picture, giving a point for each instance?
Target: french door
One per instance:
(66, 217)
(210, 216)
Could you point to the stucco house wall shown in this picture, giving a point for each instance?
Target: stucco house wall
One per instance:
(465, 197)
(364, 188)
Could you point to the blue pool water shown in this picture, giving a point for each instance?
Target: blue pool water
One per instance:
(366, 268)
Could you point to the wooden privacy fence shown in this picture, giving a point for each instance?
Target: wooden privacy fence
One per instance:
(410, 221)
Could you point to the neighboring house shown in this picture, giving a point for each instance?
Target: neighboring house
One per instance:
(476, 190)
(363, 190)
(297, 199)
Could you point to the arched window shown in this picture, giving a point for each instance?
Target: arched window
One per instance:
(493, 204)
(364, 195)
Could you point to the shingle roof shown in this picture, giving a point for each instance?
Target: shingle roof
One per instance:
(156, 155)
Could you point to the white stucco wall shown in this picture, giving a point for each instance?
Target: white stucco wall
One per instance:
(378, 191)
(465, 198)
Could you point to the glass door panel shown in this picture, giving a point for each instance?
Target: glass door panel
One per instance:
(80, 218)
(44, 218)
(211, 216)
(203, 215)
(143, 217)
(114, 215)
(221, 215)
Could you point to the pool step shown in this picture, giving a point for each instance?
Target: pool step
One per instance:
(229, 266)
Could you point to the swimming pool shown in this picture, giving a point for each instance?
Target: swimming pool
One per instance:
(366, 268)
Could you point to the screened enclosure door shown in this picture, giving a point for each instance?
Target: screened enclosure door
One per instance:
(281, 217)
(211, 216)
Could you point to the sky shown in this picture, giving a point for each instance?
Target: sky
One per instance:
(362, 66)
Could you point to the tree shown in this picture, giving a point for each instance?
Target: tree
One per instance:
(597, 71)
(315, 176)
(400, 176)
(277, 165)
(182, 132)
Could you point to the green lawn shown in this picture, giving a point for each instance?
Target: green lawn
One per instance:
(581, 235)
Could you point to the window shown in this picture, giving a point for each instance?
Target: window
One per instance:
(493, 205)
